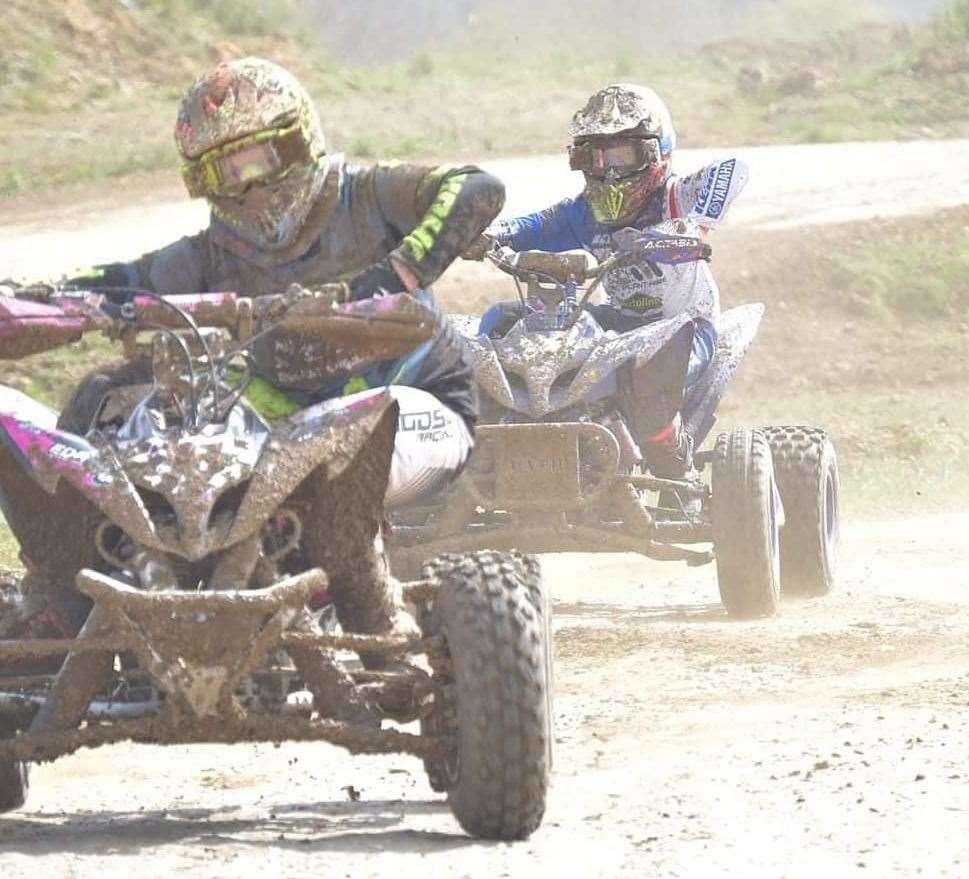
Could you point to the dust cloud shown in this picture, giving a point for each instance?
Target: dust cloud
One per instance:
(370, 30)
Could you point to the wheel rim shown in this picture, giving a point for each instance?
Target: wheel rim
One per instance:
(775, 539)
(832, 521)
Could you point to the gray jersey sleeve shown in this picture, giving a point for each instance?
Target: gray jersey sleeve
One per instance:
(177, 268)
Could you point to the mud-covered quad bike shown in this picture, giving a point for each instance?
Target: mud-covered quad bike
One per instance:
(556, 467)
(208, 623)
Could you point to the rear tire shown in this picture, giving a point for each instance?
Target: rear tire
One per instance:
(806, 468)
(496, 705)
(14, 777)
(745, 527)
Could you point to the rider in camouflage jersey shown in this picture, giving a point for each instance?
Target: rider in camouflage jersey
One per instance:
(285, 212)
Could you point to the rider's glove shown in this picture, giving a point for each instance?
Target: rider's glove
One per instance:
(480, 247)
(379, 279)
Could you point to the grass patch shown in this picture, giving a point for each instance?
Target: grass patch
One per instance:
(76, 80)
(923, 277)
(952, 22)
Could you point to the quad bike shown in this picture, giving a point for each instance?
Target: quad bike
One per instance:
(208, 624)
(556, 467)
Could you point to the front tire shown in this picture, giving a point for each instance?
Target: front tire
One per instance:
(806, 467)
(14, 777)
(495, 706)
(745, 525)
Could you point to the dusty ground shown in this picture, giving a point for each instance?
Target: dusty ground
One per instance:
(790, 187)
(828, 739)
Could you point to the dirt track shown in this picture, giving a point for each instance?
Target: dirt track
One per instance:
(789, 186)
(831, 737)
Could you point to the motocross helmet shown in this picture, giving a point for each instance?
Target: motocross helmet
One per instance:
(252, 145)
(623, 142)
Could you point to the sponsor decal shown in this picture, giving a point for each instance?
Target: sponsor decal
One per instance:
(716, 187)
(63, 452)
(642, 303)
(539, 465)
(431, 427)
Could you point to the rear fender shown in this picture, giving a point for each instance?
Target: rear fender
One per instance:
(736, 329)
(332, 433)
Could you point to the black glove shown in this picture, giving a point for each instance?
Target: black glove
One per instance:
(380, 278)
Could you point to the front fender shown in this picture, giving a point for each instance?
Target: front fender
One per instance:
(28, 430)
(332, 433)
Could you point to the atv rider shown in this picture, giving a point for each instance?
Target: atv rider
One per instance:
(285, 212)
(623, 142)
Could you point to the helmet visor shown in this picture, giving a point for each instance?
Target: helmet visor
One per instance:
(230, 169)
(615, 157)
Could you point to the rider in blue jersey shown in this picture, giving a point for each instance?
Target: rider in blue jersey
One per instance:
(623, 142)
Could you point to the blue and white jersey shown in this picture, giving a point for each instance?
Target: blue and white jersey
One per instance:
(686, 205)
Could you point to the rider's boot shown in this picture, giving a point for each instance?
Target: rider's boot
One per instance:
(37, 610)
(56, 537)
(342, 534)
(650, 396)
(668, 453)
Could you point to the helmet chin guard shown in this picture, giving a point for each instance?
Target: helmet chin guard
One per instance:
(623, 141)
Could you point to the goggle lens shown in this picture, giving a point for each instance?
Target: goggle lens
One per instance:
(619, 157)
(248, 165)
(229, 169)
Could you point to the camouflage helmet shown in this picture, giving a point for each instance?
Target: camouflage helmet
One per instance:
(624, 107)
(623, 143)
(240, 98)
(252, 144)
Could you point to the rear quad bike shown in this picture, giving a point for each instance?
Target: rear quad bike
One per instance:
(556, 467)
(208, 622)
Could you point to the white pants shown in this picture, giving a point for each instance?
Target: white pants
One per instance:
(432, 444)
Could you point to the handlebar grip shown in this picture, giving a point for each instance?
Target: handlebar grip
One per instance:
(206, 309)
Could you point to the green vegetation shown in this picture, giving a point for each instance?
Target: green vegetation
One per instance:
(919, 278)
(952, 23)
(79, 79)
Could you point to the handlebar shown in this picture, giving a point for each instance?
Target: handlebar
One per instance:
(564, 273)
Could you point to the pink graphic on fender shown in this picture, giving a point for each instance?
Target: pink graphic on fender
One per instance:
(51, 452)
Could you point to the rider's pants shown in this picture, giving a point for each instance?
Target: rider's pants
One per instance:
(432, 445)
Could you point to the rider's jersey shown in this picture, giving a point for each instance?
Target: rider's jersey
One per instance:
(650, 292)
(423, 216)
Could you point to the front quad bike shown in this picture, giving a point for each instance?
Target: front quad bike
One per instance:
(556, 467)
(208, 621)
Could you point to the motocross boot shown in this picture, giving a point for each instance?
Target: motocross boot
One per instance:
(668, 453)
(56, 538)
(650, 395)
(36, 610)
(342, 535)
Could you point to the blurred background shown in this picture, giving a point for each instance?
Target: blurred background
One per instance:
(474, 77)
(867, 326)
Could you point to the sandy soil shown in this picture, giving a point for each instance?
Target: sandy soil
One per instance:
(831, 738)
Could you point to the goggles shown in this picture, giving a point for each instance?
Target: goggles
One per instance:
(231, 168)
(614, 157)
